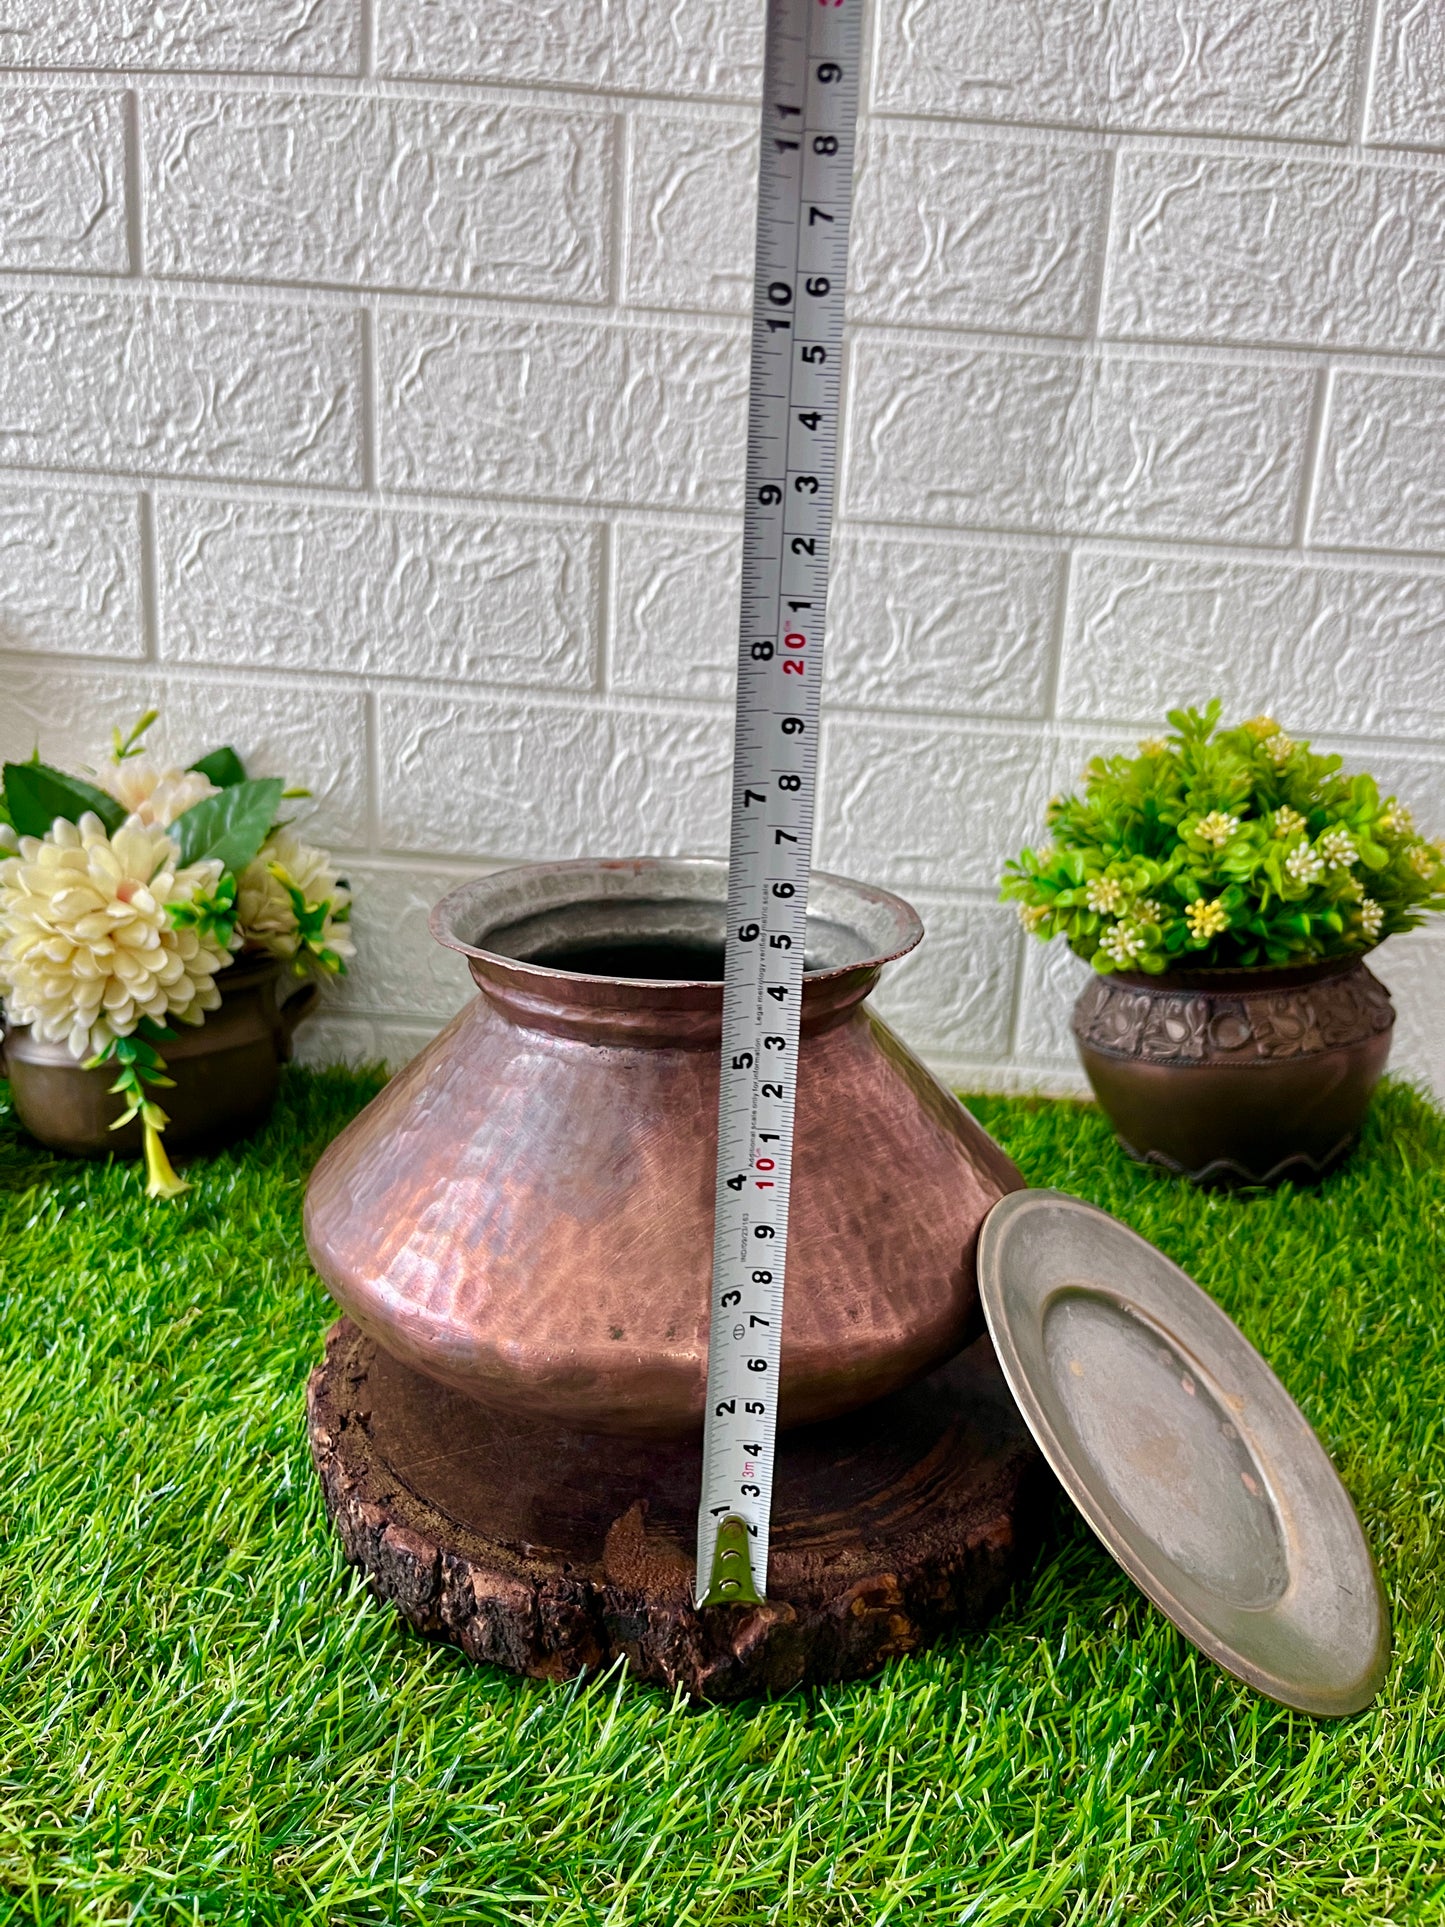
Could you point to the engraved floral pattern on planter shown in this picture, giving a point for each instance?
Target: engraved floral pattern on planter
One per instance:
(1196, 1026)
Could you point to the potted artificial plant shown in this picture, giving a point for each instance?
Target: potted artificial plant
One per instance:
(135, 899)
(1226, 885)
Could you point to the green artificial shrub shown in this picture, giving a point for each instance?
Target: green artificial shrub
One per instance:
(1220, 848)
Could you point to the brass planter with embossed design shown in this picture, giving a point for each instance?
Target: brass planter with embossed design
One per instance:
(1237, 1076)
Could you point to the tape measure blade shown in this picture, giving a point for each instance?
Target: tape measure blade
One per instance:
(805, 189)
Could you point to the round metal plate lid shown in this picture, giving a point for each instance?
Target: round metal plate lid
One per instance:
(1183, 1451)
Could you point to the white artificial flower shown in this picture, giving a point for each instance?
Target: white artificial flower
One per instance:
(1372, 915)
(1304, 864)
(87, 948)
(1206, 918)
(1105, 894)
(155, 797)
(263, 907)
(1216, 828)
(1121, 944)
(1337, 847)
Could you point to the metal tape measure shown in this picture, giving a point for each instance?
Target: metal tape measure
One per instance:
(805, 196)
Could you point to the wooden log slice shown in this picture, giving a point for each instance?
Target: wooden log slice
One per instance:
(551, 1552)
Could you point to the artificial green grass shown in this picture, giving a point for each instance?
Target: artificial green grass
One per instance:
(204, 1717)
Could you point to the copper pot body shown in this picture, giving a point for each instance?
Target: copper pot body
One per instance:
(1237, 1076)
(226, 1072)
(526, 1211)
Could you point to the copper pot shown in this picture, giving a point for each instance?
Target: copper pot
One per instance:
(526, 1211)
(226, 1071)
(1237, 1076)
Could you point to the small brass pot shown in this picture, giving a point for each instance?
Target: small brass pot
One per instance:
(226, 1071)
(1237, 1076)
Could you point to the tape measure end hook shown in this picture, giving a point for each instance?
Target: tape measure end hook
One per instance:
(731, 1582)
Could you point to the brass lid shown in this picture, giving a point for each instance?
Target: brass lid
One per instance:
(1184, 1452)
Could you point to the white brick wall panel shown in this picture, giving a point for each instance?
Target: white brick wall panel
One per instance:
(998, 233)
(62, 180)
(1407, 102)
(315, 737)
(1412, 969)
(242, 36)
(70, 573)
(326, 1039)
(941, 626)
(928, 808)
(456, 197)
(691, 211)
(237, 389)
(709, 49)
(911, 625)
(1382, 480)
(400, 966)
(1319, 645)
(1278, 250)
(283, 613)
(1052, 979)
(1272, 67)
(573, 410)
(959, 434)
(966, 435)
(528, 780)
(952, 997)
(385, 592)
(675, 605)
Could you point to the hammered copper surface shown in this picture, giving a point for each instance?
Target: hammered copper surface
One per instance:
(1243, 1076)
(526, 1211)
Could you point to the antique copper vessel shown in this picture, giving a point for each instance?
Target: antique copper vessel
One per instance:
(525, 1213)
(1237, 1076)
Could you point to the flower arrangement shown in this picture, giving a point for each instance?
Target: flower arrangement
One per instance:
(125, 893)
(1225, 848)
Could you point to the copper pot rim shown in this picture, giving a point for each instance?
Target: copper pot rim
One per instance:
(893, 919)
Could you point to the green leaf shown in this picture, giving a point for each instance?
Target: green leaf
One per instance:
(223, 767)
(230, 826)
(124, 747)
(35, 794)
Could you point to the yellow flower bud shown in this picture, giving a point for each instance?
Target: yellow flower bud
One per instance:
(161, 1179)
